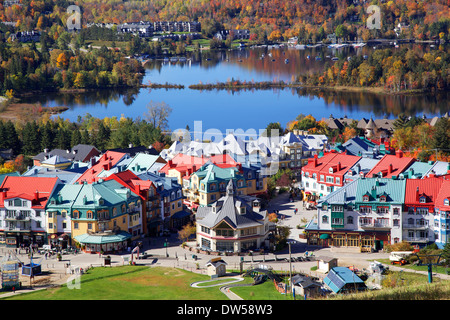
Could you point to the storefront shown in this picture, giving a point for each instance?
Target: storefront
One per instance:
(106, 242)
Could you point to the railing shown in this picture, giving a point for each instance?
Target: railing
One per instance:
(415, 226)
(417, 239)
(374, 225)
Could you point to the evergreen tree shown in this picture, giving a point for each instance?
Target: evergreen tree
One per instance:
(441, 138)
(12, 138)
(103, 135)
(76, 137)
(85, 137)
(47, 136)
(31, 138)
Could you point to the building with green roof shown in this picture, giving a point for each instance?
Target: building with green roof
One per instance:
(363, 215)
(208, 184)
(86, 210)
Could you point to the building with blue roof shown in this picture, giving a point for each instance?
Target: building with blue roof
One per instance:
(342, 280)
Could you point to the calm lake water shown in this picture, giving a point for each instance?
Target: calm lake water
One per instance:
(252, 109)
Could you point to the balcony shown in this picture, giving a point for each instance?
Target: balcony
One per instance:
(18, 229)
(417, 239)
(415, 226)
(374, 225)
(18, 218)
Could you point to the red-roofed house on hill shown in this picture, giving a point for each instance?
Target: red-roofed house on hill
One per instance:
(182, 166)
(151, 201)
(22, 208)
(442, 215)
(418, 218)
(323, 175)
(98, 170)
(391, 165)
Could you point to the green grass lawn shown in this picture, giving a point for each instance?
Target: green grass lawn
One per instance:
(131, 283)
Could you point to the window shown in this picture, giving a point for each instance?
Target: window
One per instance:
(338, 180)
(322, 178)
(75, 225)
(75, 215)
(396, 211)
(422, 211)
(366, 198)
(50, 215)
(422, 199)
(89, 226)
(64, 225)
(365, 209)
(330, 179)
(325, 219)
(206, 230)
(349, 220)
(337, 208)
(382, 198)
(446, 202)
(382, 210)
(89, 215)
(50, 225)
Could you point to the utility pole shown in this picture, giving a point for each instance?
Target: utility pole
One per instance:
(290, 270)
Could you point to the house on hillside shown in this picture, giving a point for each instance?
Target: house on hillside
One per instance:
(231, 224)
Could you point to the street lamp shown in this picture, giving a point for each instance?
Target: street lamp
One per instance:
(290, 267)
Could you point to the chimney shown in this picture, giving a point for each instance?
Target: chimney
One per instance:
(36, 195)
(315, 160)
(170, 162)
(417, 194)
(390, 168)
(399, 154)
(138, 189)
(338, 166)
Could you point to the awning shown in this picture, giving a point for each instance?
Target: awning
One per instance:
(325, 236)
(103, 238)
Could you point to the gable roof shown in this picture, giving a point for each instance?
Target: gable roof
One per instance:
(339, 277)
(106, 162)
(32, 188)
(80, 152)
(391, 165)
(374, 187)
(226, 209)
(428, 187)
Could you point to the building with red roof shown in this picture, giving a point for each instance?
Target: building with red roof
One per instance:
(182, 165)
(323, 175)
(442, 215)
(23, 201)
(418, 218)
(98, 170)
(146, 190)
(391, 165)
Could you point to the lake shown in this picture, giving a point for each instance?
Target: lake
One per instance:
(251, 109)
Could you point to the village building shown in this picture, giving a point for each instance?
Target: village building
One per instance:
(231, 224)
(22, 209)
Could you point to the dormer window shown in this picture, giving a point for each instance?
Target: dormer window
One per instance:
(331, 170)
(242, 210)
(382, 198)
(366, 198)
(422, 199)
(446, 202)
